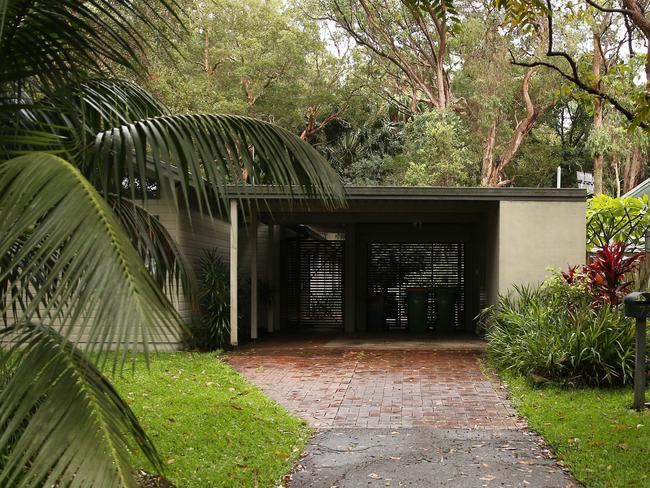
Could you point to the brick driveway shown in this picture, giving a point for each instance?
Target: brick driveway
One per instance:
(332, 386)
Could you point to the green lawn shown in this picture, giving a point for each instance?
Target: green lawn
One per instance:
(210, 425)
(593, 431)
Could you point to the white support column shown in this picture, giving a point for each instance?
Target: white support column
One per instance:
(277, 282)
(234, 246)
(253, 238)
(270, 279)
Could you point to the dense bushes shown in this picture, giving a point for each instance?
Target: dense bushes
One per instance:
(554, 332)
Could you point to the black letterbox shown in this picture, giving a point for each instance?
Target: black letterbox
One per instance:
(637, 304)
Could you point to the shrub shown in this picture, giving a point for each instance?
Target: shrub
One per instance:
(607, 274)
(552, 332)
(612, 219)
(211, 329)
(436, 152)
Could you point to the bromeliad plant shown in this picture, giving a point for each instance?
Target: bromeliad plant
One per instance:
(80, 258)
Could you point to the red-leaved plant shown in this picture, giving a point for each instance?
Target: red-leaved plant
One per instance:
(607, 273)
(573, 275)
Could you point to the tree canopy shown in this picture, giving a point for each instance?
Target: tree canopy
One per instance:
(332, 70)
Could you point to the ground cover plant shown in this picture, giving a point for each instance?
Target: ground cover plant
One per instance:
(212, 427)
(554, 332)
(592, 430)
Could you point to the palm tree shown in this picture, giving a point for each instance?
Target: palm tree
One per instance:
(78, 258)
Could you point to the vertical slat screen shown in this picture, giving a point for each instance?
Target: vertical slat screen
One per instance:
(394, 267)
(313, 285)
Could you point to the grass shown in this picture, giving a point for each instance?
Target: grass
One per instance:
(593, 431)
(210, 425)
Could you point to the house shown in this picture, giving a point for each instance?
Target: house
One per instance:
(638, 191)
(357, 267)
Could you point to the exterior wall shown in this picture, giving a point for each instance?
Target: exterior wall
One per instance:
(166, 211)
(534, 235)
(196, 232)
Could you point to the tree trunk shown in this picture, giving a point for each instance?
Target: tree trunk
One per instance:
(633, 169)
(598, 114)
(206, 51)
(616, 164)
(488, 156)
(493, 177)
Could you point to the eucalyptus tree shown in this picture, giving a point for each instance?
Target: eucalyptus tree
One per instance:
(405, 42)
(627, 87)
(266, 59)
(80, 258)
(449, 55)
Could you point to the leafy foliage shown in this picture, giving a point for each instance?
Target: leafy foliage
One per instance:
(211, 329)
(79, 262)
(435, 152)
(612, 220)
(34, 35)
(360, 154)
(552, 333)
(67, 394)
(608, 273)
(65, 217)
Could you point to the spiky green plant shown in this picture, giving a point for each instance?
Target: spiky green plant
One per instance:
(211, 329)
(552, 332)
(80, 261)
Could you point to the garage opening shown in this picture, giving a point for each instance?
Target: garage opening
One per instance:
(400, 274)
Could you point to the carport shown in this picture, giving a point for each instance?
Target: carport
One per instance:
(365, 266)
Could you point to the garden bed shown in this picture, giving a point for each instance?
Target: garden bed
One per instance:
(210, 425)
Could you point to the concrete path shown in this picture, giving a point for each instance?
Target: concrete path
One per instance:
(420, 417)
(427, 457)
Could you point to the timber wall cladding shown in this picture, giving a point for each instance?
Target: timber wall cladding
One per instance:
(194, 233)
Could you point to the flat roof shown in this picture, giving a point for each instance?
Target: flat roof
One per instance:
(411, 193)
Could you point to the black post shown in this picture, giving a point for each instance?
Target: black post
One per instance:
(639, 365)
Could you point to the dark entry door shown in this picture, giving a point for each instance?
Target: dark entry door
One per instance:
(313, 283)
(394, 268)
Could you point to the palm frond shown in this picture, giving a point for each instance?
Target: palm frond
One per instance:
(107, 102)
(66, 121)
(61, 421)
(208, 152)
(97, 287)
(55, 41)
(158, 250)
